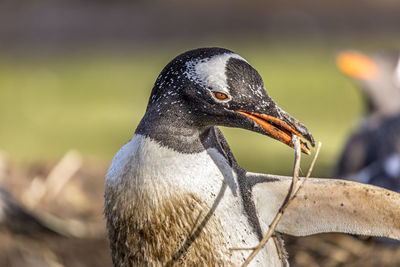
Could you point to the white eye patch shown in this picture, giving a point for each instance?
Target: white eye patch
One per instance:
(210, 72)
(397, 74)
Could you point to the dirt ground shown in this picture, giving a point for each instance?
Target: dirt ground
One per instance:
(79, 204)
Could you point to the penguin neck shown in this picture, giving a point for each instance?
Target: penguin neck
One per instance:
(176, 132)
(381, 103)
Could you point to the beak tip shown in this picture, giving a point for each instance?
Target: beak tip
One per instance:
(305, 149)
(312, 141)
(308, 136)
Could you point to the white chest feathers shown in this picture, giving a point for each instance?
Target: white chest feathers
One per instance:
(183, 191)
(166, 171)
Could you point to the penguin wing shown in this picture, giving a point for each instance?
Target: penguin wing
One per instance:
(327, 205)
(354, 155)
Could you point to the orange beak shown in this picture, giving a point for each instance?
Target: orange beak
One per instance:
(278, 129)
(357, 65)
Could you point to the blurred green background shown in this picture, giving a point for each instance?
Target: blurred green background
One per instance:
(63, 87)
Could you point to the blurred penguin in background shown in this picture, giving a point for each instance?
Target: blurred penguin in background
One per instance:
(372, 152)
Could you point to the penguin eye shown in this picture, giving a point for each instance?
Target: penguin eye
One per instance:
(220, 96)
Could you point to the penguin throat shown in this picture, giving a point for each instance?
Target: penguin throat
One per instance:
(181, 138)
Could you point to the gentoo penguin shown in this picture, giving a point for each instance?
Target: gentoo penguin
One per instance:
(372, 152)
(175, 195)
